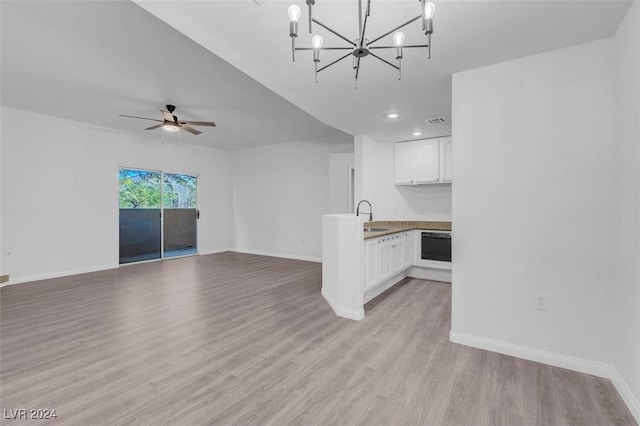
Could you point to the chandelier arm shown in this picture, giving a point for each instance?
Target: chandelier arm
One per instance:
(334, 32)
(326, 48)
(335, 62)
(384, 60)
(395, 47)
(396, 28)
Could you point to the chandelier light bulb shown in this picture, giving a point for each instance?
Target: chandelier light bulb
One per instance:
(317, 41)
(429, 10)
(294, 13)
(398, 39)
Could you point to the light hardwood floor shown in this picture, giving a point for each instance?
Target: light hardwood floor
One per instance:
(242, 339)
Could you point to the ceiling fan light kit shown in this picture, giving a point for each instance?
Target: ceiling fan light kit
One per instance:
(172, 124)
(361, 46)
(170, 128)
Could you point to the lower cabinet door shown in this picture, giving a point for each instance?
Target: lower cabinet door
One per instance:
(384, 258)
(407, 250)
(371, 263)
(396, 254)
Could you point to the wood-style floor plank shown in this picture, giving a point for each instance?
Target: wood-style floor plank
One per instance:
(242, 339)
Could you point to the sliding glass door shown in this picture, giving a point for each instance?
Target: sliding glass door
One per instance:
(140, 215)
(180, 215)
(158, 215)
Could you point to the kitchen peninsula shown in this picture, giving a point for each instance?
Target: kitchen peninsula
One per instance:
(360, 260)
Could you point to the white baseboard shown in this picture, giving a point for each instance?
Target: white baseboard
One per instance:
(282, 255)
(551, 358)
(580, 365)
(206, 252)
(443, 275)
(627, 396)
(342, 312)
(30, 278)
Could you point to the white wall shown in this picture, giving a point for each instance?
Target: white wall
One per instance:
(280, 193)
(60, 192)
(535, 208)
(375, 175)
(533, 200)
(627, 223)
(340, 164)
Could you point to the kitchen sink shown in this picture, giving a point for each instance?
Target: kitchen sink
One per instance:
(376, 229)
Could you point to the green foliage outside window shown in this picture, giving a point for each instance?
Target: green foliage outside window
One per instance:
(179, 191)
(139, 189)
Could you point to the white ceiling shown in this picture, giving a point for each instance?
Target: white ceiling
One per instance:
(468, 34)
(93, 60)
(90, 61)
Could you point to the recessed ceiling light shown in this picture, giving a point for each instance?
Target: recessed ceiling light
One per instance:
(393, 115)
(416, 133)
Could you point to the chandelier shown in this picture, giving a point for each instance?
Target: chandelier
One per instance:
(361, 46)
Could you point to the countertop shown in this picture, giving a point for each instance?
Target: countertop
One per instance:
(399, 226)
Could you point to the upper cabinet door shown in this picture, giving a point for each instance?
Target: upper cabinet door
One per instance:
(423, 162)
(446, 163)
(427, 161)
(404, 163)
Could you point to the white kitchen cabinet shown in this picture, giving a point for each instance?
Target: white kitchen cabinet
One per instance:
(427, 164)
(384, 258)
(397, 247)
(404, 161)
(446, 157)
(407, 250)
(371, 263)
(422, 162)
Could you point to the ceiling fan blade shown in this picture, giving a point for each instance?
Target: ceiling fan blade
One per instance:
(167, 115)
(157, 126)
(199, 123)
(190, 129)
(141, 118)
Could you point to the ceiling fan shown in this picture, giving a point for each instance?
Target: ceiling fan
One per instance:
(172, 124)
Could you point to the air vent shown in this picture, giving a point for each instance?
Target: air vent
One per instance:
(436, 120)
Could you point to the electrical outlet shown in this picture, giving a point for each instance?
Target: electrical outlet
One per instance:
(541, 302)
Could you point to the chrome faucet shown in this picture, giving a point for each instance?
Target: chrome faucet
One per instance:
(370, 210)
